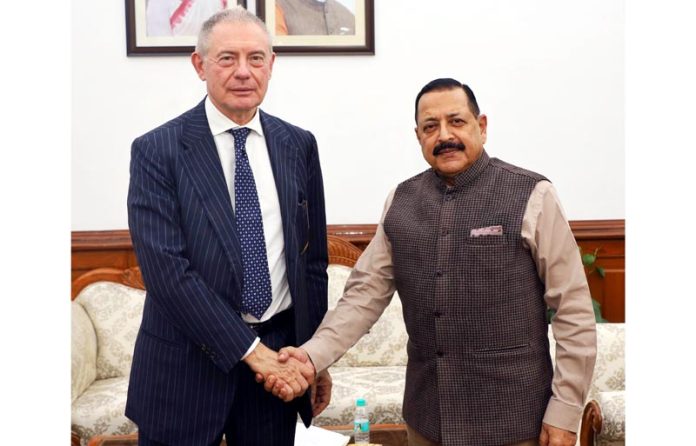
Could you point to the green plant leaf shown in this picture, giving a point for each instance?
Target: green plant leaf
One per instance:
(588, 259)
(597, 307)
(600, 271)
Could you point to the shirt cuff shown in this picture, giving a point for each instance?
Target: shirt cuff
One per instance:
(253, 346)
(562, 415)
(320, 361)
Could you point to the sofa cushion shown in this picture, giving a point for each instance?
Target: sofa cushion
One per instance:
(613, 416)
(382, 388)
(116, 311)
(385, 343)
(338, 275)
(100, 410)
(83, 352)
(610, 371)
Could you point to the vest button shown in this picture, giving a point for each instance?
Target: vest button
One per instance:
(438, 273)
(440, 353)
(437, 314)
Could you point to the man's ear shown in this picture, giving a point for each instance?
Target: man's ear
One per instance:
(197, 62)
(483, 125)
(270, 65)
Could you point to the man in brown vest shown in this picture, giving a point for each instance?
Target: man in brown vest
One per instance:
(477, 248)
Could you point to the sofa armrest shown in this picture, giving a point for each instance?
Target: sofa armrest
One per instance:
(83, 351)
(591, 423)
(74, 439)
(604, 419)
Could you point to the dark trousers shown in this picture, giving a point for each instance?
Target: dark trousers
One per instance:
(257, 418)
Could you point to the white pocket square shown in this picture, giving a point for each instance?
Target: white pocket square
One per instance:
(488, 230)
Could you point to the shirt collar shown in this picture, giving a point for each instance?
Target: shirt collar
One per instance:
(219, 123)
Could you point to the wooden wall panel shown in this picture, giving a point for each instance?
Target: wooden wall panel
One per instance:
(104, 249)
(101, 249)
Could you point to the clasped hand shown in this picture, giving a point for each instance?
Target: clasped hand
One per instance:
(278, 385)
(291, 376)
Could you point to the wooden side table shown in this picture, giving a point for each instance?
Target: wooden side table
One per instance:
(114, 440)
(383, 434)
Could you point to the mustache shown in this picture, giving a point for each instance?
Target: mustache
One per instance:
(448, 145)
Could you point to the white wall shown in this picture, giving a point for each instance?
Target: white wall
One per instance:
(548, 74)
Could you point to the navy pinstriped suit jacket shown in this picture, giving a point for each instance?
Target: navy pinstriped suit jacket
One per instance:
(182, 225)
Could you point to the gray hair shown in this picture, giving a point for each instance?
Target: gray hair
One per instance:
(233, 15)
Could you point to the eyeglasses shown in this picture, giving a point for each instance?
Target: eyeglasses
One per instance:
(227, 60)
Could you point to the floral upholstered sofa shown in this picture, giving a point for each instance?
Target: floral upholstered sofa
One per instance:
(106, 314)
(374, 368)
(604, 418)
(107, 309)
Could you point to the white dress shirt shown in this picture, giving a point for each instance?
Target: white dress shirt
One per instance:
(260, 164)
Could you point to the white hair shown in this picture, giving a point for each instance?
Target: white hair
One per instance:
(233, 15)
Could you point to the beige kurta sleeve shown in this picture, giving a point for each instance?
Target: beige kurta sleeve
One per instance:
(547, 234)
(367, 293)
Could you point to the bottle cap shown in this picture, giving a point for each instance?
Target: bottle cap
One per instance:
(360, 402)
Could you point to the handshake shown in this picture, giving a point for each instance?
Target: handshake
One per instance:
(288, 374)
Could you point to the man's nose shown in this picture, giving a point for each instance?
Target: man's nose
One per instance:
(445, 134)
(242, 70)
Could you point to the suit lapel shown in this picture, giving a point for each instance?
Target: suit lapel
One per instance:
(203, 163)
(283, 157)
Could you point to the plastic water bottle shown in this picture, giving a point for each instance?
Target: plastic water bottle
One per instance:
(361, 424)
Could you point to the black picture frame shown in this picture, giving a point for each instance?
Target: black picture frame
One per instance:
(139, 43)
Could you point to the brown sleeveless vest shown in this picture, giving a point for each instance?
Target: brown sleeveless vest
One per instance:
(479, 370)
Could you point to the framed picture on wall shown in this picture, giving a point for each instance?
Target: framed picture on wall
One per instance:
(168, 26)
(320, 26)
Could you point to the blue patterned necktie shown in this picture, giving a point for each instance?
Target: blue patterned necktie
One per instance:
(256, 292)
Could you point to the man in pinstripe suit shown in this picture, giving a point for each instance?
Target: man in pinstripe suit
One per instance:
(192, 378)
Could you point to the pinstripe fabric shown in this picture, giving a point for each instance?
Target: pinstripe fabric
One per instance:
(180, 216)
(252, 405)
(479, 371)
